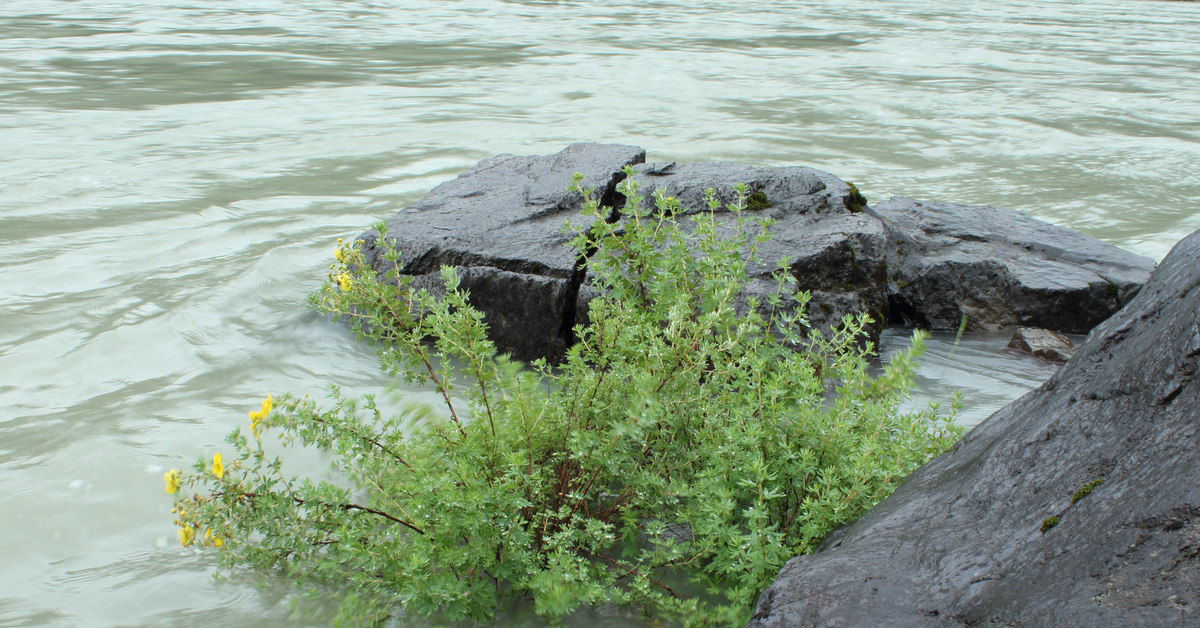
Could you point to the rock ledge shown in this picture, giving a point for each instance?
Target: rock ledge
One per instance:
(902, 261)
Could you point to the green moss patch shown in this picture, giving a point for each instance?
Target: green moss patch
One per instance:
(758, 201)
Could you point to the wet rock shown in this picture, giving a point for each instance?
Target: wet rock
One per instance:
(968, 539)
(1043, 343)
(501, 224)
(836, 252)
(1000, 268)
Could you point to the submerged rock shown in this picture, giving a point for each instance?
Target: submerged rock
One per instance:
(1076, 505)
(1043, 343)
(500, 223)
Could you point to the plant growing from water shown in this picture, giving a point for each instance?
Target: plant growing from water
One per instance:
(683, 437)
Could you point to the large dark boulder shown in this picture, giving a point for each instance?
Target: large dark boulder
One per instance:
(500, 223)
(969, 538)
(1000, 268)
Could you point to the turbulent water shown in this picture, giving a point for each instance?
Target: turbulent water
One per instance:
(173, 176)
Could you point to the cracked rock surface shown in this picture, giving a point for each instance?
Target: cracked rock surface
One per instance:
(1000, 268)
(902, 261)
(501, 224)
(965, 539)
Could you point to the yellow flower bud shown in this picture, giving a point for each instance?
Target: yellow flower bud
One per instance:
(218, 468)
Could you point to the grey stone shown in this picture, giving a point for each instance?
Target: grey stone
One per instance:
(501, 224)
(835, 253)
(1000, 268)
(1043, 343)
(961, 541)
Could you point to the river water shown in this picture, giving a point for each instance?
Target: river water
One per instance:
(174, 174)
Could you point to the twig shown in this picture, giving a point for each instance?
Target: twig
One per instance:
(634, 572)
(384, 515)
(369, 440)
(349, 507)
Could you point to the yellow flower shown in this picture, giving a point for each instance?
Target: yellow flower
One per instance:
(172, 478)
(340, 255)
(218, 468)
(344, 282)
(214, 541)
(186, 534)
(261, 414)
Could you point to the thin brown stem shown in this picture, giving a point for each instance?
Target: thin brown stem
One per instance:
(348, 507)
(634, 572)
(441, 389)
(369, 439)
(585, 490)
(385, 515)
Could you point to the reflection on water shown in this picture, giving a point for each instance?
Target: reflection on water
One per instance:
(175, 174)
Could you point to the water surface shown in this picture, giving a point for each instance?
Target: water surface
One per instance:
(174, 176)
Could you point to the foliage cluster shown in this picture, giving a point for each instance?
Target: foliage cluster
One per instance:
(685, 438)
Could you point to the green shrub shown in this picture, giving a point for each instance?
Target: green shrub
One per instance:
(684, 438)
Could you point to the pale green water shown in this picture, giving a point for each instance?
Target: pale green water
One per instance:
(173, 176)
